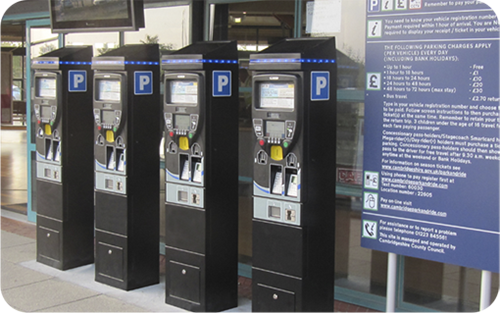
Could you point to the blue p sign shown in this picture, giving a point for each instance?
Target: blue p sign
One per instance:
(373, 5)
(221, 84)
(77, 81)
(320, 86)
(143, 82)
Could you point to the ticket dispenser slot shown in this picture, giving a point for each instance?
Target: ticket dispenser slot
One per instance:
(61, 99)
(201, 173)
(293, 175)
(126, 111)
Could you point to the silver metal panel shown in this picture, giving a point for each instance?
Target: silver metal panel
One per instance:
(185, 195)
(277, 211)
(49, 172)
(111, 183)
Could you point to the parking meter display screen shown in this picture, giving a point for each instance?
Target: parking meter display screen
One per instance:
(108, 117)
(46, 87)
(275, 129)
(183, 92)
(182, 122)
(46, 112)
(109, 90)
(277, 95)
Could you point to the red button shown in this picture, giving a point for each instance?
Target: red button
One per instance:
(171, 134)
(261, 142)
(98, 127)
(39, 121)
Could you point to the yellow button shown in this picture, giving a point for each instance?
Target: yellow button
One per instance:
(276, 153)
(110, 136)
(184, 143)
(48, 130)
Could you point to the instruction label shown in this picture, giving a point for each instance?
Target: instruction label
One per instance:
(432, 145)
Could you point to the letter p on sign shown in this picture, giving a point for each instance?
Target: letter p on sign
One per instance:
(221, 82)
(320, 86)
(143, 83)
(77, 81)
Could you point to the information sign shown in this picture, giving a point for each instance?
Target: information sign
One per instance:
(432, 145)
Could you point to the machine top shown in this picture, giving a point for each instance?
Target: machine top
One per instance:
(201, 54)
(294, 54)
(64, 56)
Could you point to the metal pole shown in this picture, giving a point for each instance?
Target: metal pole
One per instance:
(391, 282)
(485, 301)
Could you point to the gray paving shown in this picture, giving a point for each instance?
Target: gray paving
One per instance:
(29, 286)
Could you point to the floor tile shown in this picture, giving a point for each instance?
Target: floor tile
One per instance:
(44, 295)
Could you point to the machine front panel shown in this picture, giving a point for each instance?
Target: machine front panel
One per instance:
(277, 114)
(110, 132)
(184, 129)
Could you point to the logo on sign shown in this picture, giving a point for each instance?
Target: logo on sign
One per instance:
(373, 5)
(77, 81)
(370, 229)
(143, 82)
(370, 201)
(221, 84)
(371, 180)
(320, 86)
(373, 81)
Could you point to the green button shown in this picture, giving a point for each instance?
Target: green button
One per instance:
(190, 136)
(285, 144)
(51, 123)
(114, 129)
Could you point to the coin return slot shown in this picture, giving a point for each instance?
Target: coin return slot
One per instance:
(274, 211)
(182, 196)
(108, 183)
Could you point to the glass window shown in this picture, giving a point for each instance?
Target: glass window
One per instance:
(167, 26)
(101, 42)
(349, 32)
(443, 287)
